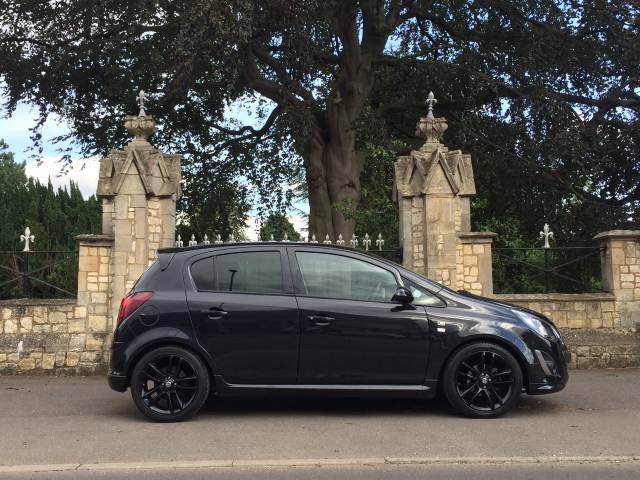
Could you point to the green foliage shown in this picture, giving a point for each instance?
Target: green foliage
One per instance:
(55, 217)
(276, 225)
(376, 212)
(543, 94)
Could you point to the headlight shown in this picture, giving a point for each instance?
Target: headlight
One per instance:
(533, 323)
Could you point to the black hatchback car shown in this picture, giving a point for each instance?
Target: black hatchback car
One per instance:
(249, 318)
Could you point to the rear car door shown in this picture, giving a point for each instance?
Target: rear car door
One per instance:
(351, 331)
(245, 314)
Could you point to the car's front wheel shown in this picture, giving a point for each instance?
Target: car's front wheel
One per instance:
(169, 384)
(482, 380)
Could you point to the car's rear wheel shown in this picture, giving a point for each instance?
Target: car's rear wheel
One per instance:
(482, 380)
(169, 384)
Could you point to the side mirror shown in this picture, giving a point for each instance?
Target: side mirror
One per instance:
(403, 296)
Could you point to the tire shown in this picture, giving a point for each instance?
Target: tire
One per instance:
(170, 384)
(482, 380)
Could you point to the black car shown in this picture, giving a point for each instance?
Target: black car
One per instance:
(247, 318)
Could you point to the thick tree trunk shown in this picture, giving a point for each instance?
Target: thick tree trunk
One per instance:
(333, 175)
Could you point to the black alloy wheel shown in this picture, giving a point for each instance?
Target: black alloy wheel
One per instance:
(169, 384)
(483, 380)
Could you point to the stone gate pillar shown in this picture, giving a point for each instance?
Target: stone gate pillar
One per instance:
(433, 187)
(139, 186)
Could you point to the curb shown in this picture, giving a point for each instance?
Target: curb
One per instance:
(317, 462)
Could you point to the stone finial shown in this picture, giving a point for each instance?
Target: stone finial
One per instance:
(431, 128)
(140, 127)
(429, 102)
(141, 99)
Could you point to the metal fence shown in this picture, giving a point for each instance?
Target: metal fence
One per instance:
(547, 269)
(375, 246)
(38, 273)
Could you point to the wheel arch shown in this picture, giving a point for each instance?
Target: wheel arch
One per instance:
(166, 342)
(483, 338)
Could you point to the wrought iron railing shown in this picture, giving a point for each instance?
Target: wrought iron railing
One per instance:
(546, 270)
(375, 246)
(38, 274)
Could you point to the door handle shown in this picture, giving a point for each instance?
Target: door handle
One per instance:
(215, 313)
(321, 320)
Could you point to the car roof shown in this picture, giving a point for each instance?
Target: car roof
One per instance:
(258, 244)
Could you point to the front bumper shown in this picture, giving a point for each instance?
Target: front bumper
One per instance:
(117, 382)
(552, 372)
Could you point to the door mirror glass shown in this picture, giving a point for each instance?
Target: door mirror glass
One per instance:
(403, 296)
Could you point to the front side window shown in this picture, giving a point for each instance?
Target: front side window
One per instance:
(251, 272)
(422, 296)
(336, 276)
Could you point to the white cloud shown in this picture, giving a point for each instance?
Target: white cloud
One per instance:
(83, 171)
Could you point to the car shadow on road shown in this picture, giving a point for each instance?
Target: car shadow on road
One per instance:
(348, 406)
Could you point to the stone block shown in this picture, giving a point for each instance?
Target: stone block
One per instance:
(619, 361)
(27, 364)
(60, 358)
(73, 358)
(98, 297)
(90, 357)
(94, 343)
(77, 342)
(26, 324)
(59, 328)
(77, 325)
(88, 263)
(583, 351)
(97, 323)
(10, 326)
(48, 361)
(57, 317)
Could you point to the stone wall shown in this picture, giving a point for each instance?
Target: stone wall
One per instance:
(602, 330)
(591, 325)
(473, 262)
(139, 186)
(50, 337)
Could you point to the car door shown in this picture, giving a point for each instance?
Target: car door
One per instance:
(245, 314)
(351, 331)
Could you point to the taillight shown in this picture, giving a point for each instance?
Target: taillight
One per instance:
(131, 303)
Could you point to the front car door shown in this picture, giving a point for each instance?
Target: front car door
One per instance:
(351, 331)
(245, 314)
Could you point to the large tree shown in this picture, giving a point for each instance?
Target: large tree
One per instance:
(548, 66)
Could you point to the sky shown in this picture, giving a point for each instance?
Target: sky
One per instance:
(84, 171)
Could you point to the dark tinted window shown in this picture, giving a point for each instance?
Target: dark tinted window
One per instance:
(202, 274)
(337, 276)
(255, 272)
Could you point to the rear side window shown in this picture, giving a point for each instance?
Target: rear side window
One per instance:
(202, 274)
(249, 272)
(254, 272)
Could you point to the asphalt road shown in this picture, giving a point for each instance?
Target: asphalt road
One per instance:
(610, 471)
(50, 420)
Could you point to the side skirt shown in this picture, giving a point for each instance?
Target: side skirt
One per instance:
(428, 390)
